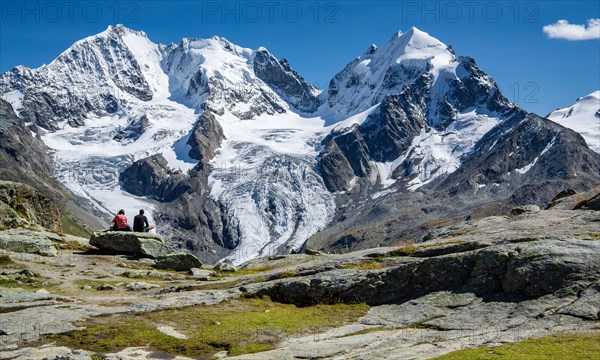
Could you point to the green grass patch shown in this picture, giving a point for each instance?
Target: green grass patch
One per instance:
(283, 275)
(369, 265)
(409, 248)
(565, 346)
(218, 285)
(421, 324)
(71, 245)
(590, 235)
(238, 326)
(70, 226)
(6, 260)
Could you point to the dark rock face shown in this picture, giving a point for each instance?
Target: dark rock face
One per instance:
(385, 134)
(133, 130)
(476, 88)
(205, 138)
(286, 82)
(152, 177)
(335, 168)
(389, 132)
(19, 147)
(529, 153)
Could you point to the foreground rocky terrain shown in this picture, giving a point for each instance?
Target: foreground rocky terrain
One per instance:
(482, 282)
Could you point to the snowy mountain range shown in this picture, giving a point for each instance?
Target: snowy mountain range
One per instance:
(233, 154)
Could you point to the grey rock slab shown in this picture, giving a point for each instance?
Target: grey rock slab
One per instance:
(27, 241)
(586, 306)
(201, 274)
(138, 244)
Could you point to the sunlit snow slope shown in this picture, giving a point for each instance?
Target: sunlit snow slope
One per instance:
(584, 117)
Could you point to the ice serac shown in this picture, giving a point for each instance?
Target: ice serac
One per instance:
(584, 117)
(430, 108)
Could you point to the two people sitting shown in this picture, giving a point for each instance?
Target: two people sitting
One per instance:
(140, 222)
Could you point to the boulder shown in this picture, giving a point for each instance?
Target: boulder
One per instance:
(226, 265)
(27, 241)
(140, 286)
(201, 274)
(106, 287)
(134, 243)
(178, 262)
(524, 209)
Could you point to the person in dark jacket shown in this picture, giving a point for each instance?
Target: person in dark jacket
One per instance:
(140, 223)
(120, 222)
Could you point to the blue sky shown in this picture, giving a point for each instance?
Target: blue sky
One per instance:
(320, 37)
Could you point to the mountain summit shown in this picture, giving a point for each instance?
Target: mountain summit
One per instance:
(584, 117)
(234, 155)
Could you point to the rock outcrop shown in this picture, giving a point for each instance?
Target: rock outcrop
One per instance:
(137, 244)
(152, 177)
(206, 137)
(133, 130)
(23, 206)
(528, 269)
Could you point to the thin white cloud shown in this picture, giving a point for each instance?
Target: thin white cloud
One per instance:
(563, 30)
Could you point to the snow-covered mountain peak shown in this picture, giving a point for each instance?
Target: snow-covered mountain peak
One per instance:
(593, 97)
(116, 33)
(418, 45)
(416, 38)
(378, 72)
(214, 44)
(584, 117)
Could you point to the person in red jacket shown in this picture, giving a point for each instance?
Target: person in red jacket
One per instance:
(120, 222)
